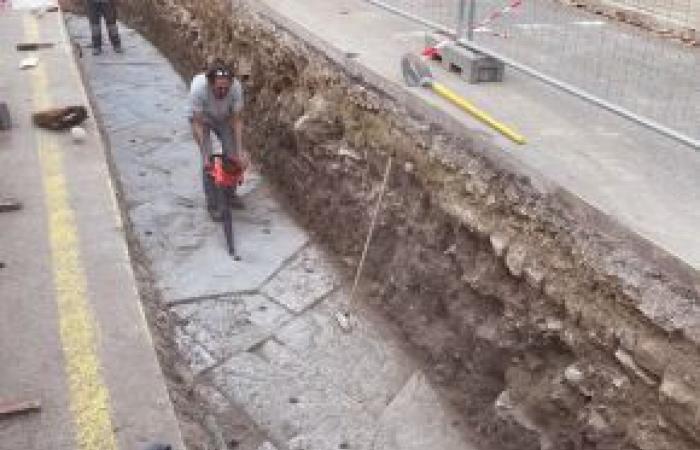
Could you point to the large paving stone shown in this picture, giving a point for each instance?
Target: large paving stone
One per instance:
(337, 433)
(228, 325)
(367, 364)
(308, 278)
(265, 238)
(417, 420)
(285, 403)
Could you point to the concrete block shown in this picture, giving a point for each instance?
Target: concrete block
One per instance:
(474, 67)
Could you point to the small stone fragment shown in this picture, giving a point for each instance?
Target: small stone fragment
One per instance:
(499, 242)
(573, 374)
(552, 324)
(626, 360)
(515, 260)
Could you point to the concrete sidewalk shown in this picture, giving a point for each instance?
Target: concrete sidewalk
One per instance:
(643, 180)
(72, 330)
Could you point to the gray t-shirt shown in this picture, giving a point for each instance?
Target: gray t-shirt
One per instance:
(202, 100)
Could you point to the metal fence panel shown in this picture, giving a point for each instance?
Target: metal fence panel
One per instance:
(627, 65)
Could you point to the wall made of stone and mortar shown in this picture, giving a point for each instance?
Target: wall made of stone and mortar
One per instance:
(535, 312)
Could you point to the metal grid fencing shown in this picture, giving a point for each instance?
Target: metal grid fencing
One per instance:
(632, 56)
(443, 12)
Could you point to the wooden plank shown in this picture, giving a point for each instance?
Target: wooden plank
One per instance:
(9, 408)
(32, 46)
(8, 204)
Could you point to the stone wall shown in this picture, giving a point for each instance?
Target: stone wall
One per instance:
(545, 323)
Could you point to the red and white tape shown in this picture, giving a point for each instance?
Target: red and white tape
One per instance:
(499, 13)
(434, 51)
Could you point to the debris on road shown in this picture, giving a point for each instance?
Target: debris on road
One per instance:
(28, 63)
(8, 204)
(31, 46)
(79, 134)
(10, 408)
(60, 118)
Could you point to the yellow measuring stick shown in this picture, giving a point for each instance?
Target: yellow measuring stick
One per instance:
(484, 117)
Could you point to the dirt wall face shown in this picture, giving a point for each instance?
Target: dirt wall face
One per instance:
(543, 322)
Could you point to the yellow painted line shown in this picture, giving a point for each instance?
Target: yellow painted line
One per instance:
(89, 397)
(482, 116)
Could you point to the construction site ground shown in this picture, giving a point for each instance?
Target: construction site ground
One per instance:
(252, 353)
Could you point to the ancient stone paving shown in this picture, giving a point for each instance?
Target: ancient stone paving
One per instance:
(259, 334)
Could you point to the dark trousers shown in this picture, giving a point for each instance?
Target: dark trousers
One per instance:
(96, 11)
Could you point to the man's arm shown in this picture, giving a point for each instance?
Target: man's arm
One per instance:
(198, 128)
(197, 99)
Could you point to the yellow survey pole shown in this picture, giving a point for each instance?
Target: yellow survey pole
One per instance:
(482, 116)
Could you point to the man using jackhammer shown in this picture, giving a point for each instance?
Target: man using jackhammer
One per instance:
(96, 10)
(216, 105)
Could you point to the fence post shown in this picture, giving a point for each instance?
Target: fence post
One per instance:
(461, 18)
(470, 20)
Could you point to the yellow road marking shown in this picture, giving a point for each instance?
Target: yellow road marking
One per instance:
(480, 115)
(88, 394)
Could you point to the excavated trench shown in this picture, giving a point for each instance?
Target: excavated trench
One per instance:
(545, 324)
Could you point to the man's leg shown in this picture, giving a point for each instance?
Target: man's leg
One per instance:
(110, 13)
(205, 150)
(93, 12)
